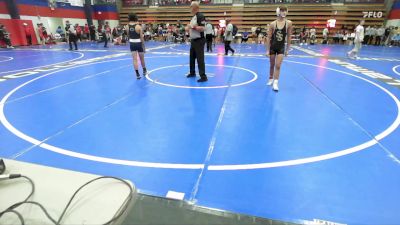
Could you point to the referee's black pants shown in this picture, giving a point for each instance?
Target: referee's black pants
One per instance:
(72, 39)
(197, 52)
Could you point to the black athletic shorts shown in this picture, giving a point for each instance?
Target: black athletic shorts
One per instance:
(276, 51)
(136, 47)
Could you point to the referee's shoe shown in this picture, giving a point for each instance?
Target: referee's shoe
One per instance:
(202, 79)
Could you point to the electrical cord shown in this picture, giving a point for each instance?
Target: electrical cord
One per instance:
(20, 217)
(12, 208)
(2, 166)
(33, 203)
(32, 186)
(91, 181)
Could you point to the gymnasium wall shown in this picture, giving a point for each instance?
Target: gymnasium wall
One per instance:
(3, 10)
(38, 11)
(394, 15)
(395, 12)
(16, 30)
(5, 16)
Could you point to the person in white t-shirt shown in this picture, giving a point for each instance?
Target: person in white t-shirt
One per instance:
(325, 36)
(215, 34)
(228, 37)
(72, 36)
(253, 30)
(379, 35)
(313, 35)
(358, 40)
(372, 36)
(209, 36)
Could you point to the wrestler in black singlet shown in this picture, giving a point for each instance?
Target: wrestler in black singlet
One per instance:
(278, 40)
(134, 39)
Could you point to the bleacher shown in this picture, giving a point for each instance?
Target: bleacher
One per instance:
(246, 16)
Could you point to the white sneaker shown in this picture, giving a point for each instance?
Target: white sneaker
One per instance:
(270, 81)
(275, 86)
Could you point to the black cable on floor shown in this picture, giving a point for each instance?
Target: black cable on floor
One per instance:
(20, 217)
(91, 181)
(12, 208)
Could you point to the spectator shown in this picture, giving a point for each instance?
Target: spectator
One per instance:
(86, 31)
(372, 32)
(78, 32)
(336, 37)
(125, 37)
(40, 32)
(59, 35)
(380, 32)
(390, 37)
(346, 37)
(258, 31)
(395, 37)
(245, 36)
(100, 28)
(92, 31)
(325, 35)
(228, 37)
(5, 36)
(45, 34)
(209, 36)
(387, 34)
(367, 35)
(253, 31)
(313, 35)
(303, 36)
(358, 40)
(28, 33)
(107, 30)
(261, 38)
(215, 34)
(306, 36)
(220, 35)
(67, 26)
(60, 31)
(114, 32)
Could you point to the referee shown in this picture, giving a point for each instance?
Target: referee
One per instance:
(197, 42)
